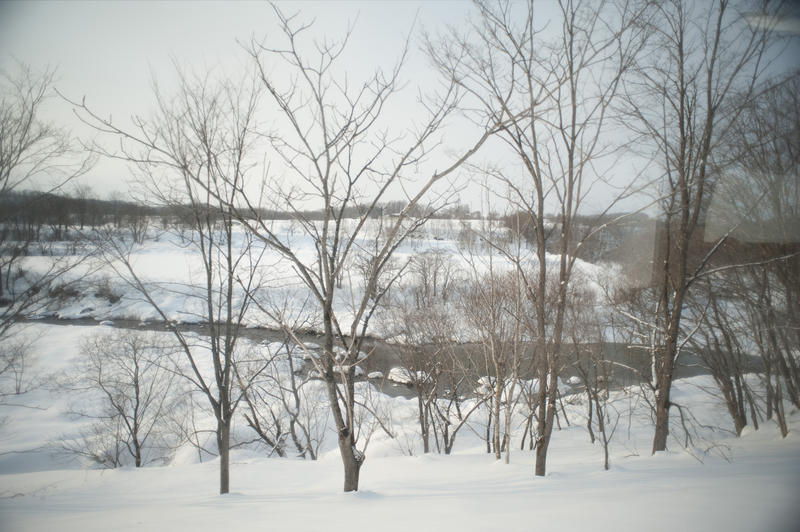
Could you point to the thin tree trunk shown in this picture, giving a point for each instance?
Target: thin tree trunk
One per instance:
(543, 441)
(591, 403)
(489, 431)
(223, 444)
(779, 413)
(525, 431)
(423, 421)
(496, 429)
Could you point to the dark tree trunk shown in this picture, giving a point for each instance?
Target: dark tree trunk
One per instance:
(666, 367)
(779, 412)
(352, 460)
(589, 400)
(489, 432)
(753, 414)
(546, 429)
(423, 420)
(662, 405)
(137, 447)
(223, 445)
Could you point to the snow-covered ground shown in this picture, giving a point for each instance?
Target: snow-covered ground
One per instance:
(171, 268)
(468, 491)
(721, 482)
(715, 481)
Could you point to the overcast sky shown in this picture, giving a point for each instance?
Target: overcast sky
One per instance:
(109, 52)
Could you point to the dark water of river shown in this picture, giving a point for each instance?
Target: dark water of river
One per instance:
(630, 366)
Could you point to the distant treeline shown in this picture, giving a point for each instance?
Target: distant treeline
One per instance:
(389, 208)
(24, 215)
(36, 216)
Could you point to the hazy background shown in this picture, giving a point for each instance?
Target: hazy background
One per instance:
(110, 52)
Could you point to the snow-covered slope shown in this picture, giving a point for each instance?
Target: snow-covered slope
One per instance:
(172, 269)
(722, 483)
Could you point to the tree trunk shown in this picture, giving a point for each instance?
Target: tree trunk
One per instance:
(546, 429)
(423, 421)
(779, 413)
(525, 431)
(768, 384)
(665, 371)
(137, 457)
(223, 445)
(352, 460)
(489, 431)
(753, 414)
(507, 432)
(601, 426)
(447, 441)
(496, 429)
(589, 400)
(662, 416)
(563, 410)
(542, 443)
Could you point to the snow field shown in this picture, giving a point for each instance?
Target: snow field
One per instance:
(171, 267)
(718, 482)
(724, 483)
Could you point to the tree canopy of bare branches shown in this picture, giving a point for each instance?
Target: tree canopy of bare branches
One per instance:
(33, 154)
(555, 89)
(340, 154)
(193, 154)
(702, 65)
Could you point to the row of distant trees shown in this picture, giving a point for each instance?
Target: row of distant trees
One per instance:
(684, 85)
(32, 217)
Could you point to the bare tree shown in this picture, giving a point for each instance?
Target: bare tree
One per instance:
(341, 160)
(286, 406)
(720, 343)
(586, 339)
(705, 60)
(557, 89)
(747, 297)
(15, 362)
(128, 390)
(765, 151)
(33, 154)
(193, 154)
(606, 413)
(492, 306)
(419, 314)
(439, 368)
(422, 363)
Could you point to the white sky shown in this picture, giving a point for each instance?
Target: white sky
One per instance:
(111, 51)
